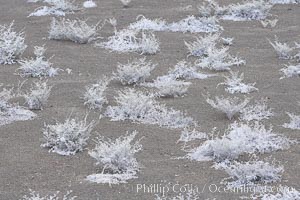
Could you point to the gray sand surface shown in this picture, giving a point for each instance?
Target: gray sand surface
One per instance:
(25, 165)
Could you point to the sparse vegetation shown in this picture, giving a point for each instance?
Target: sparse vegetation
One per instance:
(38, 96)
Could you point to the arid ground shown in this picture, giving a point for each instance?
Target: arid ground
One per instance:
(25, 165)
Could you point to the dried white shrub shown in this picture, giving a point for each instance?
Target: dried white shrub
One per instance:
(184, 70)
(251, 173)
(188, 195)
(69, 137)
(291, 71)
(9, 112)
(267, 22)
(74, 30)
(36, 196)
(12, 44)
(283, 50)
(134, 72)
(229, 106)
(250, 10)
(219, 60)
(38, 96)
(146, 24)
(195, 25)
(140, 107)
(117, 158)
(94, 97)
(234, 84)
(284, 1)
(188, 135)
(240, 139)
(294, 122)
(128, 40)
(258, 111)
(202, 44)
(57, 7)
(38, 66)
(125, 3)
(167, 86)
(89, 4)
(284, 193)
(227, 41)
(208, 8)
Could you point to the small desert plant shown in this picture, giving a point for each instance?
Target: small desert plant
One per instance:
(195, 25)
(251, 173)
(144, 23)
(240, 139)
(128, 40)
(38, 66)
(38, 96)
(250, 10)
(57, 7)
(74, 30)
(69, 137)
(202, 44)
(36, 196)
(258, 111)
(229, 106)
(89, 4)
(208, 8)
(188, 195)
(190, 135)
(294, 122)
(219, 60)
(234, 84)
(227, 41)
(134, 72)
(12, 44)
(185, 71)
(140, 107)
(283, 50)
(94, 96)
(117, 158)
(291, 71)
(125, 3)
(284, 1)
(167, 86)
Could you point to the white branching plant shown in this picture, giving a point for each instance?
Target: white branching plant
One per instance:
(229, 106)
(227, 41)
(146, 24)
(37, 67)
(238, 140)
(269, 23)
(258, 111)
(94, 97)
(9, 112)
(294, 122)
(74, 30)
(208, 8)
(56, 7)
(219, 60)
(117, 159)
(285, 1)
(167, 86)
(250, 10)
(283, 50)
(12, 44)
(128, 40)
(234, 84)
(188, 135)
(134, 72)
(69, 137)
(89, 4)
(141, 107)
(38, 96)
(251, 173)
(291, 71)
(36, 196)
(185, 71)
(201, 45)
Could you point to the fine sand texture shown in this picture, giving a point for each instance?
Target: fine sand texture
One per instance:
(25, 165)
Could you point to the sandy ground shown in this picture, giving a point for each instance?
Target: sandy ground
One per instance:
(25, 165)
